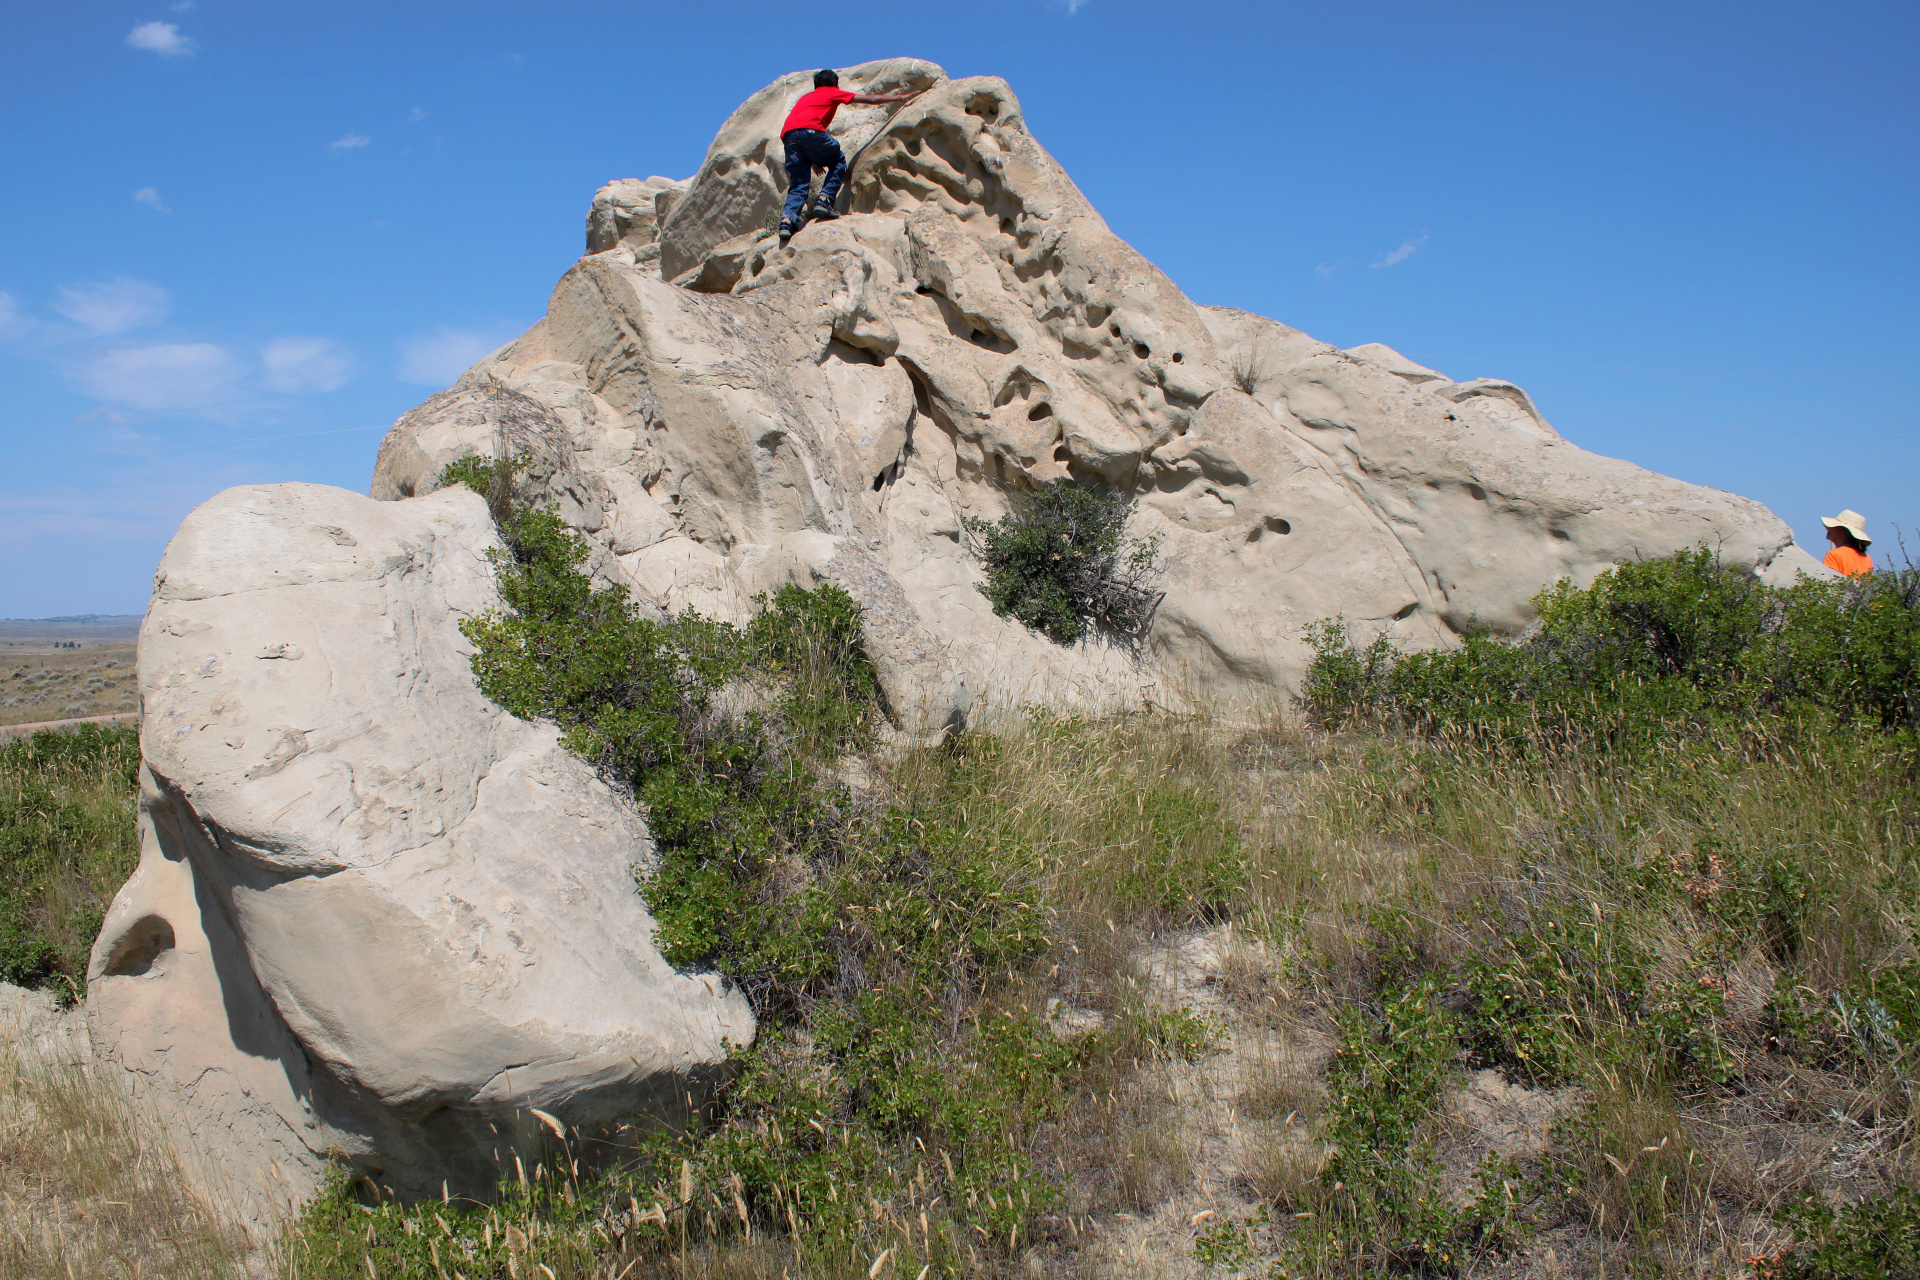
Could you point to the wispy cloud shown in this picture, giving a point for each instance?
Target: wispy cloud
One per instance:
(1325, 270)
(150, 197)
(304, 364)
(11, 321)
(168, 376)
(349, 142)
(1074, 6)
(162, 38)
(1406, 250)
(181, 6)
(416, 115)
(113, 306)
(438, 359)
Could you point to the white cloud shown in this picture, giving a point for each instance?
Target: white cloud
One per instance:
(150, 196)
(180, 6)
(438, 359)
(305, 364)
(167, 376)
(1073, 6)
(162, 38)
(349, 142)
(1406, 250)
(113, 306)
(416, 115)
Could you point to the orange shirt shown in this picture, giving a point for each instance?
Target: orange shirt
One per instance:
(1848, 561)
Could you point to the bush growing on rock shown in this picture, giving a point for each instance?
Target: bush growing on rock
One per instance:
(1062, 562)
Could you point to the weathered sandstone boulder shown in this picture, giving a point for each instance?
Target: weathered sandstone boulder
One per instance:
(973, 329)
(374, 914)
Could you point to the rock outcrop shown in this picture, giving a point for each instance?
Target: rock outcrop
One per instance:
(375, 915)
(746, 414)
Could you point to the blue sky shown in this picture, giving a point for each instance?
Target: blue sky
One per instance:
(238, 240)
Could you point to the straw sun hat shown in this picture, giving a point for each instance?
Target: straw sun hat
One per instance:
(1852, 521)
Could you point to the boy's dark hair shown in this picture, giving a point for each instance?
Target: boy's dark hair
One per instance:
(821, 79)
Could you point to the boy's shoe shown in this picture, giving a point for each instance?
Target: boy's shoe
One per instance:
(786, 233)
(823, 214)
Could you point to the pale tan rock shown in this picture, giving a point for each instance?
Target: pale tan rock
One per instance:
(1393, 362)
(744, 178)
(626, 215)
(374, 914)
(973, 329)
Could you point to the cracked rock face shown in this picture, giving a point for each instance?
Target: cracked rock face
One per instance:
(374, 914)
(727, 415)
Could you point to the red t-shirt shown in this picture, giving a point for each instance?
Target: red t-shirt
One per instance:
(815, 109)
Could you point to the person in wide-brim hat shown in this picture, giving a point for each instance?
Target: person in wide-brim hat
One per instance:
(1848, 534)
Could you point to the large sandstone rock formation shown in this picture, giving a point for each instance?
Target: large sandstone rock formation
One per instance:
(374, 915)
(742, 414)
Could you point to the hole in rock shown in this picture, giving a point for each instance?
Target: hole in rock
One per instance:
(1272, 524)
(990, 341)
(1040, 411)
(1561, 535)
(1407, 612)
(145, 941)
(1176, 357)
(913, 145)
(1115, 330)
(1097, 315)
(1477, 493)
(1140, 350)
(923, 290)
(1061, 455)
(1006, 226)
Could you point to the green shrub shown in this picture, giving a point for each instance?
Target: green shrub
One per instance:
(492, 478)
(1675, 646)
(1062, 563)
(1383, 1207)
(854, 930)
(1877, 1238)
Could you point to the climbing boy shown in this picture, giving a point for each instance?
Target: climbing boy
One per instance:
(810, 147)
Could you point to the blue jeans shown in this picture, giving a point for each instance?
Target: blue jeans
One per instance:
(808, 149)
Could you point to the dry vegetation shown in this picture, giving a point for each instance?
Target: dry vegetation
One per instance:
(90, 1191)
(40, 683)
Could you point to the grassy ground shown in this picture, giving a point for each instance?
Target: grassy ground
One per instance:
(44, 683)
(67, 843)
(1277, 1001)
(1407, 1011)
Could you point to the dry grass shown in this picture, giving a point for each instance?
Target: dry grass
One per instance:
(92, 1191)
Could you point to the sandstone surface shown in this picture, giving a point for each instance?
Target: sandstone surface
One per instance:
(374, 915)
(747, 414)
